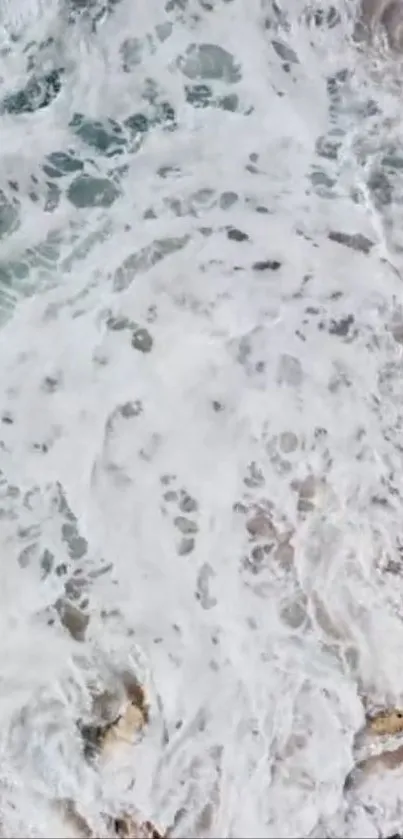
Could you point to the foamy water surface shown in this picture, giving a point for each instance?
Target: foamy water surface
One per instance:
(201, 385)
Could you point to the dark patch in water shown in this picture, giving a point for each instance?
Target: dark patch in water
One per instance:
(77, 546)
(267, 265)
(106, 137)
(236, 235)
(355, 241)
(9, 214)
(61, 163)
(142, 340)
(38, 93)
(341, 327)
(198, 95)
(381, 189)
(87, 191)
(285, 52)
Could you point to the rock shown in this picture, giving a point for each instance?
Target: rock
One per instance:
(38, 93)
(236, 235)
(142, 340)
(72, 618)
(260, 526)
(285, 52)
(387, 722)
(123, 826)
(211, 62)
(102, 738)
(87, 191)
(289, 370)
(341, 327)
(186, 546)
(61, 163)
(228, 199)
(185, 525)
(9, 215)
(267, 265)
(106, 137)
(355, 241)
(73, 820)
(128, 827)
(199, 95)
(124, 730)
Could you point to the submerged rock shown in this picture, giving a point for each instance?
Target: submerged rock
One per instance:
(9, 215)
(115, 726)
(105, 136)
(211, 62)
(87, 191)
(124, 826)
(38, 93)
(60, 163)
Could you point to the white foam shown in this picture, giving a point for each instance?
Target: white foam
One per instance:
(268, 702)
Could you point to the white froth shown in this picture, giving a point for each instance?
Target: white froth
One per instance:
(257, 648)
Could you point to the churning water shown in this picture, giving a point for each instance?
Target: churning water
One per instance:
(201, 404)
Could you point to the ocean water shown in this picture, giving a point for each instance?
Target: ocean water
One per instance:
(201, 412)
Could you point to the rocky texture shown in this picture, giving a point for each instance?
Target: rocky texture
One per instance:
(113, 726)
(113, 723)
(387, 722)
(123, 826)
(38, 93)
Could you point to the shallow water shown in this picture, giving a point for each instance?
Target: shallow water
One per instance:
(201, 410)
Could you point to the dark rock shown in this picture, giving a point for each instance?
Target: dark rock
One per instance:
(61, 163)
(198, 95)
(236, 235)
(38, 93)
(187, 504)
(328, 148)
(211, 62)
(229, 102)
(9, 215)
(227, 200)
(285, 52)
(117, 324)
(87, 191)
(77, 546)
(130, 409)
(142, 340)
(186, 526)
(341, 327)
(186, 546)
(267, 265)
(137, 123)
(381, 189)
(355, 241)
(106, 137)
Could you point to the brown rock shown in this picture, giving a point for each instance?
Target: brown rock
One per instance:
(127, 827)
(73, 619)
(387, 722)
(260, 526)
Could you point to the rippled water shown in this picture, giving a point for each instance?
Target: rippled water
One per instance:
(201, 386)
